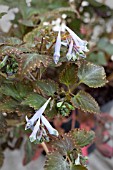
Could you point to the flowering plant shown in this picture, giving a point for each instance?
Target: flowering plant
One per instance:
(42, 73)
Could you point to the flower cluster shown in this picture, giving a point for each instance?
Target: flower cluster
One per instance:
(76, 49)
(38, 123)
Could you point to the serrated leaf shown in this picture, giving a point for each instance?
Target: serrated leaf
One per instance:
(83, 137)
(69, 75)
(8, 105)
(78, 167)
(98, 58)
(1, 158)
(18, 90)
(31, 61)
(10, 41)
(91, 74)
(3, 125)
(85, 102)
(48, 87)
(34, 100)
(51, 113)
(64, 145)
(55, 161)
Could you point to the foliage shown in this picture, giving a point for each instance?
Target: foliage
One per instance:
(29, 76)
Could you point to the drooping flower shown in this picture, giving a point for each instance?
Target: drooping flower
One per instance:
(56, 55)
(38, 128)
(70, 50)
(36, 116)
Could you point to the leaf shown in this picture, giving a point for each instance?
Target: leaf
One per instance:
(83, 137)
(65, 144)
(105, 45)
(1, 158)
(8, 105)
(16, 90)
(55, 161)
(91, 75)
(30, 151)
(98, 58)
(78, 167)
(85, 102)
(69, 75)
(34, 100)
(31, 61)
(3, 125)
(13, 41)
(48, 87)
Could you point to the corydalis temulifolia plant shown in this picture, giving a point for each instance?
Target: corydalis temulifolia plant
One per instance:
(43, 72)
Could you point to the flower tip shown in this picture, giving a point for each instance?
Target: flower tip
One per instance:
(26, 118)
(55, 133)
(56, 58)
(32, 138)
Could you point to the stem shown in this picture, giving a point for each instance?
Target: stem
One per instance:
(45, 147)
(75, 86)
(32, 76)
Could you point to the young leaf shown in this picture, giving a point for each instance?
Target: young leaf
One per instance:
(85, 102)
(91, 74)
(55, 161)
(48, 87)
(82, 137)
(34, 100)
(31, 61)
(69, 75)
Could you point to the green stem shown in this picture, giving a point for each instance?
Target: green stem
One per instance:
(75, 86)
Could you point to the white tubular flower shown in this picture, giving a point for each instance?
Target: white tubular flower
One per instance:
(36, 116)
(81, 44)
(51, 130)
(69, 53)
(56, 55)
(33, 135)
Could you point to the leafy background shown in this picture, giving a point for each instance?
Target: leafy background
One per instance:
(23, 62)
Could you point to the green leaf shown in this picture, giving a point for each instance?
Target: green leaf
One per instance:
(3, 125)
(55, 161)
(1, 158)
(8, 105)
(91, 74)
(78, 167)
(48, 87)
(17, 90)
(83, 137)
(85, 102)
(105, 45)
(98, 58)
(13, 41)
(31, 61)
(69, 75)
(34, 100)
(65, 144)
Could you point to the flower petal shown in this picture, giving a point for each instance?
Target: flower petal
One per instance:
(51, 130)
(56, 55)
(32, 137)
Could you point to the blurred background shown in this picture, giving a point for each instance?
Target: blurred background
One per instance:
(91, 20)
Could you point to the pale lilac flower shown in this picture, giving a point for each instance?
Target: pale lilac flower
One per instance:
(36, 116)
(56, 55)
(70, 50)
(51, 130)
(33, 135)
(77, 161)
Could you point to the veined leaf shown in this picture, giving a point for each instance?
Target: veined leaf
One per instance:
(8, 106)
(65, 144)
(34, 100)
(31, 61)
(48, 87)
(83, 137)
(18, 90)
(55, 161)
(69, 75)
(106, 46)
(85, 102)
(10, 41)
(91, 74)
